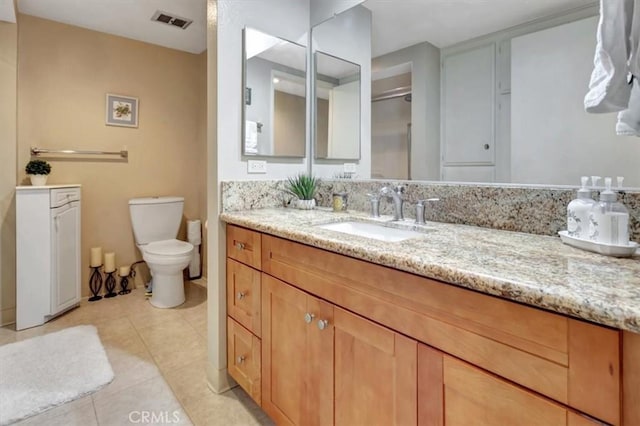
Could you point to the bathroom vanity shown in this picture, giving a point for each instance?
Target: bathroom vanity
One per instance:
(328, 328)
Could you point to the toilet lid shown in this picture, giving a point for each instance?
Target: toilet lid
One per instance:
(168, 247)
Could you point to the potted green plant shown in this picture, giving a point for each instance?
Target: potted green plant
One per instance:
(38, 171)
(304, 188)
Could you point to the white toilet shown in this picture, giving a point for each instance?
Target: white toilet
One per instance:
(155, 222)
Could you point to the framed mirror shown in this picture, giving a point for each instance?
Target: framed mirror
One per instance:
(491, 93)
(337, 111)
(274, 91)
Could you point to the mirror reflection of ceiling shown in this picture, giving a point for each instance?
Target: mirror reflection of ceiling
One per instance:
(130, 19)
(444, 23)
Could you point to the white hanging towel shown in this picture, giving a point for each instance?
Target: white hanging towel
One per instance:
(629, 119)
(609, 90)
(250, 137)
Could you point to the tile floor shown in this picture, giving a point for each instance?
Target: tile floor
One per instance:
(159, 360)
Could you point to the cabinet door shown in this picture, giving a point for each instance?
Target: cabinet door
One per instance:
(375, 373)
(243, 295)
(297, 368)
(474, 397)
(468, 106)
(243, 358)
(65, 288)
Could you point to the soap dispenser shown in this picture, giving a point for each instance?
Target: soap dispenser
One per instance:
(609, 219)
(578, 212)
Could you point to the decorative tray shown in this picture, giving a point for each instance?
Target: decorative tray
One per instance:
(602, 248)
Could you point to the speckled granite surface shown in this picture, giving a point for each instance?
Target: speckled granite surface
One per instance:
(534, 210)
(532, 269)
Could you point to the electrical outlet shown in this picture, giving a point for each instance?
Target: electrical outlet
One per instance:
(349, 167)
(256, 166)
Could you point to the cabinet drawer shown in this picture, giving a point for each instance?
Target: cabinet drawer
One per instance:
(243, 295)
(62, 196)
(243, 358)
(243, 245)
(545, 352)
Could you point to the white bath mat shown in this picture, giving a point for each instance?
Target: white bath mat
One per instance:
(46, 371)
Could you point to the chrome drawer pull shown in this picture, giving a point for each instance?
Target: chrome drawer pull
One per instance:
(240, 359)
(308, 318)
(322, 324)
(240, 295)
(240, 246)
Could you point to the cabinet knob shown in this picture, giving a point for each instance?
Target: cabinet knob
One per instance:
(322, 324)
(240, 359)
(486, 146)
(240, 295)
(240, 246)
(308, 318)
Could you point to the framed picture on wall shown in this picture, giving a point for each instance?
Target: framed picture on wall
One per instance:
(122, 111)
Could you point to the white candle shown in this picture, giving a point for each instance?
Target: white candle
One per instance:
(124, 271)
(96, 256)
(109, 262)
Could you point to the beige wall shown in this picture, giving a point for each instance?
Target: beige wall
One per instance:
(289, 127)
(8, 62)
(64, 73)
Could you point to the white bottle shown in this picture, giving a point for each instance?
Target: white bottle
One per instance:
(578, 212)
(609, 219)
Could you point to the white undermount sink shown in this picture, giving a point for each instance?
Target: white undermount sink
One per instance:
(371, 230)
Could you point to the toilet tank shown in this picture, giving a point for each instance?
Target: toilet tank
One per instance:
(155, 218)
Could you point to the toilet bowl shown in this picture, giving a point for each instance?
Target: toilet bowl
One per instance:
(155, 222)
(166, 260)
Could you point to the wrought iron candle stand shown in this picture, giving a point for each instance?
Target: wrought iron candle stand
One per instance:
(124, 284)
(110, 285)
(95, 283)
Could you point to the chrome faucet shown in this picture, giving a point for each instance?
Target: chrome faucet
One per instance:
(396, 196)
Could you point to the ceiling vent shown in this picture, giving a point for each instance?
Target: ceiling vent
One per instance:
(171, 19)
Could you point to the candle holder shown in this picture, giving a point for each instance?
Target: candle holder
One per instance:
(124, 284)
(95, 283)
(110, 285)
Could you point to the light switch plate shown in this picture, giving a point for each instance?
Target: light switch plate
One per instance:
(256, 166)
(349, 167)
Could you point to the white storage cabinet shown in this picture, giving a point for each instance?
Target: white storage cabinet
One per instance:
(47, 252)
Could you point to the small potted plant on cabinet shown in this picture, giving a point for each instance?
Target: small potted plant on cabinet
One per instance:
(38, 171)
(304, 188)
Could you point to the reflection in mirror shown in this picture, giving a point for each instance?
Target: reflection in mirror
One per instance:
(274, 113)
(496, 94)
(337, 88)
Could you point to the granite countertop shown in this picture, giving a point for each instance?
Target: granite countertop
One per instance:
(536, 270)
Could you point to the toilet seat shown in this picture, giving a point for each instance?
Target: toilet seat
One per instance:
(168, 248)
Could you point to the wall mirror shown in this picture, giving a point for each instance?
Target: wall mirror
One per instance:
(337, 112)
(274, 82)
(491, 92)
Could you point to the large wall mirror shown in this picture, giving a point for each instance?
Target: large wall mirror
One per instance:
(337, 111)
(491, 92)
(274, 113)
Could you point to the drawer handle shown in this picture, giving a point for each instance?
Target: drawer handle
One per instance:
(322, 324)
(308, 318)
(240, 295)
(240, 359)
(240, 246)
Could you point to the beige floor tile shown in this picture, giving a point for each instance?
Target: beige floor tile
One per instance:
(172, 336)
(152, 398)
(129, 370)
(171, 358)
(76, 413)
(227, 409)
(189, 383)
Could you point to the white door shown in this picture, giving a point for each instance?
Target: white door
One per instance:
(65, 286)
(468, 107)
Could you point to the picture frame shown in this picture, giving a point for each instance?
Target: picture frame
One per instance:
(121, 111)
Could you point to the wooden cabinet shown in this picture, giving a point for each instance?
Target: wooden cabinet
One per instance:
(297, 355)
(244, 354)
(348, 342)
